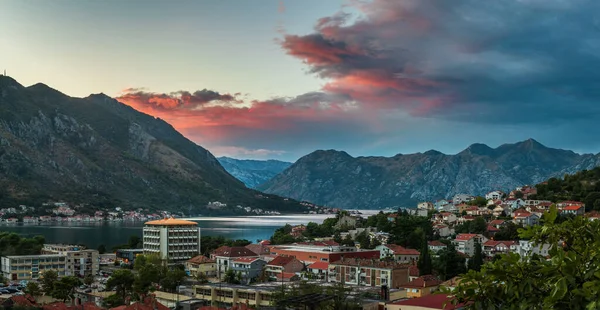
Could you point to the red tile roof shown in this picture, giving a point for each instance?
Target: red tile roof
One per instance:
(399, 250)
(491, 228)
(281, 261)
(572, 208)
(494, 243)
(24, 301)
(413, 271)
(200, 259)
(465, 237)
(496, 222)
(435, 243)
(320, 243)
(236, 251)
(433, 301)
(522, 214)
(375, 263)
(55, 306)
(245, 259)
(285, 275)
(260, 249)
(319, 265)
(424, 281)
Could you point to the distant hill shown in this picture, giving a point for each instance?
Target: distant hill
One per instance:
(99, 151)
(336, 179)
(582, 186)
(253, 172)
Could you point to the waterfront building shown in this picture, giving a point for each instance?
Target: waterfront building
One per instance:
(369, 272)
(32, 267)
(172, 239)
(80, 261)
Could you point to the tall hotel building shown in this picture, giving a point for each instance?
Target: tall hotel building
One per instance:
(172, 239)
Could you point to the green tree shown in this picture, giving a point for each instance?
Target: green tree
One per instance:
(65, 288)
(135, 242)
(364, 240)
(478, 201)
(348, 241)
(476, 261)
(101, 249)
(425, 264)
(201, 278)
(122, 281)
(449, 263)
(33, 289)
(231, 277)
(88, 280)
(49, 277)
(478, 226)
(569, 280)
(113, 301)
(510, 231)
(173, 278)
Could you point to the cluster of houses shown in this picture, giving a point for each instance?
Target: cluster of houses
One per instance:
(63, 212)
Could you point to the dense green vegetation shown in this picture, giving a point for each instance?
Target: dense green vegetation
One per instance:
(150, 273)
(570, 280)
(63, 289)
(339, 292)
(583, 186)
(13, 244)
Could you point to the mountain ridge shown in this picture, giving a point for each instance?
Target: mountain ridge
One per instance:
(98, 151)
(341, 181)
(253, 172)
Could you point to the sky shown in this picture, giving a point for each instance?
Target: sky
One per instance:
(280, 79)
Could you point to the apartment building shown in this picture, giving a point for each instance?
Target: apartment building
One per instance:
(32, 267)
(369, 272)
(79, 260)
(250, 268)
(174, 240)
(465, 243)
(223, 294)
(283, 264)
(226, 255)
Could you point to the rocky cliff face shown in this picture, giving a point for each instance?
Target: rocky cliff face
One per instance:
(336, 179)
(253, 172)
(98, 151)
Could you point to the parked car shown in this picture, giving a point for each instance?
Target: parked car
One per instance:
(4, 291)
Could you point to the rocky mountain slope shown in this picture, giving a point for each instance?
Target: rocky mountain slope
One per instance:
(253, 172)
(98, 151)
(336, 179)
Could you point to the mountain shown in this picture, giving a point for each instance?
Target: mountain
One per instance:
(336, 179)
(98, 151)
(253, 172)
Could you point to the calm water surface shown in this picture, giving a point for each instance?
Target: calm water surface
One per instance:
(116, 233)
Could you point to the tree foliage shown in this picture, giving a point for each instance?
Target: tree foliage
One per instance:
(582, 186)
(33, 289)
(65, 288)
(449, 263)
(210, 243)
(425, 264)
(13, 244)
(570, 279)
(122, 282)
(49, 277)
(510, 231)
(282, 235)
(476, 261)
(476, 226)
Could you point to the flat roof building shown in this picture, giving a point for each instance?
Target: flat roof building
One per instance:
(174, 240)
(32, 267)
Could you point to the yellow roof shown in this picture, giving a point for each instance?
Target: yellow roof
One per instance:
(170, 222)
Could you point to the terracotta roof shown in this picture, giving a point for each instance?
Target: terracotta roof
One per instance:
(496, 222)
(319, 265)
(281, 261)
(24, 301)
(285, 275)
(149, 303)
(236, 251)
(468, 217)
(433, 301)
(171, 222)
(399, 250)
(435, 243)
(494, 243)
(320, 243)
(200, 259)
(423, 281)
(522, 214)
(260, 249)
(572, 208)
(265, 242)
(55, 306)
(465, 236)
(245, 259)
(413, 271)
(491, 228)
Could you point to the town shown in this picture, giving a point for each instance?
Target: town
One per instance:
(397, 260)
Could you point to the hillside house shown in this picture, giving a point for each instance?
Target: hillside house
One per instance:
(465, 243)
(494, 195)
(398, 253)
(525, 218)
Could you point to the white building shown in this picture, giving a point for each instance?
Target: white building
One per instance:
(461, 198)
(32, 267)
(466, 242)
(425, 206)
(526, 248)
(172, 239)
(80, 261)
(495, 195)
